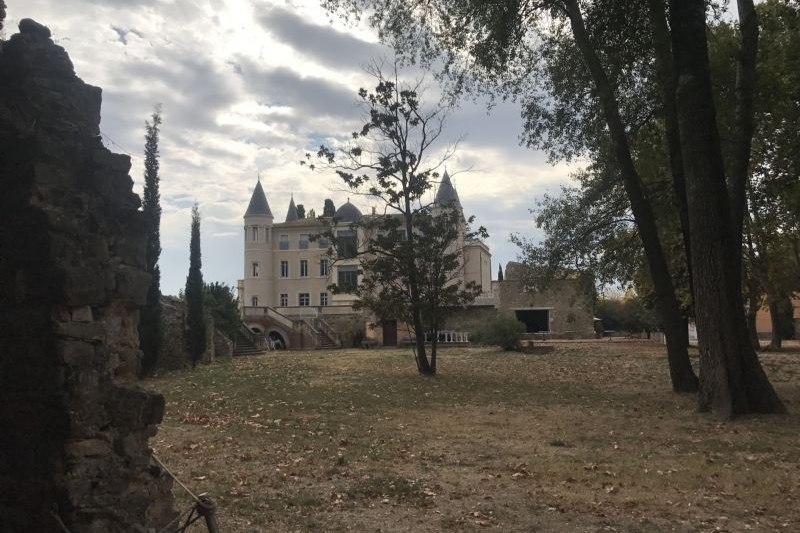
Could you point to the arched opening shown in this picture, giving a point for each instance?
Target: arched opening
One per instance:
(278, 341)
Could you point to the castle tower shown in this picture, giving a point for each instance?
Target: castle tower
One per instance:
(476, 259)
(291, 214)
(447, 194)
(259, 272)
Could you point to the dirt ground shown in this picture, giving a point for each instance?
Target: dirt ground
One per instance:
(586, 437)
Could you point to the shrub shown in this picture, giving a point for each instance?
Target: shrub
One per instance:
(503, 331)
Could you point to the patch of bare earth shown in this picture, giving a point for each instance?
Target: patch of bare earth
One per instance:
(588, 437)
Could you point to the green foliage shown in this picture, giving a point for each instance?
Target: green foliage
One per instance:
(504, 331)
(151, 330)
(328, 210)
(411, 257)
(785, 317)
(626, 314)
(151, 326)
(195, 321)
(220, 302)
(352, 335)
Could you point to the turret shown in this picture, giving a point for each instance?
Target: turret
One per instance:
(291, 214)
(257, 251)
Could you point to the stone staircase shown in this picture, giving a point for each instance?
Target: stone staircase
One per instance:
(327, 343)
(246, 342)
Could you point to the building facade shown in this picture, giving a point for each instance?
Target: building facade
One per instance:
(288, 269)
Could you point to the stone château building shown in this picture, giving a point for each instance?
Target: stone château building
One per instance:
(288, 271)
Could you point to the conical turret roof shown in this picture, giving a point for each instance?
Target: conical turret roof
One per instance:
(291, 214)
(447, 195)
(258, 203)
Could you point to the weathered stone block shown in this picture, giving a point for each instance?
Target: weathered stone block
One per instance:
(82, 314)
(77, 353)
(92, 331)
(82, 286)
(88, 448)
(133, 284)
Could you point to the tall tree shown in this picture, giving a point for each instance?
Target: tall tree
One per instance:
(733, 381)
(150, 326)
(498, 41)
(773, 207)
(328, 210)
(412, 257)
(195, 319)
(507, 46)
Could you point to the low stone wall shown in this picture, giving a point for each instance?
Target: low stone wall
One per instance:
(74, 444)
(173, 349)
(352, 328)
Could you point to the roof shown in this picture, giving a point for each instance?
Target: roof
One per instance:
(291, 214)
(258, 203)
(447, 195)
(348, 213)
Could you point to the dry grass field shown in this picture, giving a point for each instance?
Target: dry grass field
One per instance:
(585, 438)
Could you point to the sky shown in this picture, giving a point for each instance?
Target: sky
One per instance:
(247, 88)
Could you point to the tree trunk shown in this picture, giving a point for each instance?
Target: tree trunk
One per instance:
(434, 343)
(732, 381)
(743, 118)
(680, 367)
(753, 287)
(667, 83)
(750, 317)
(775, 321)
(423, 366)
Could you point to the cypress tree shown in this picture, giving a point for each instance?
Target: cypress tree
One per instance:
(195, 322)
(151, 332)
(328, 210)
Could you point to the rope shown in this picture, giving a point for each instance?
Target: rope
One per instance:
(203, 507)
(173, 476)
(60, 522)
(190, 519)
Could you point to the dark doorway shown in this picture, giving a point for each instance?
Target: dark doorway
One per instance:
(535, 320)
(277, 340)
(390, 333)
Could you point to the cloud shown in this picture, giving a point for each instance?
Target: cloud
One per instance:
(334, 49)
(249, 86)
(308, 97)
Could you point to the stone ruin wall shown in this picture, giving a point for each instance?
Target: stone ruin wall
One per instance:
(75, 425)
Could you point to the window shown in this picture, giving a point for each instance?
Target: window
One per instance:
(303, 241)
(284, 242)
(255, 233)
(323, 267)
(323, 298)
(255, 269)
(303, 299)
(284, 269)
(254, 301)
(284, 300)
(324, 242)
(303, 268)
(347, 247)
(347, 278)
